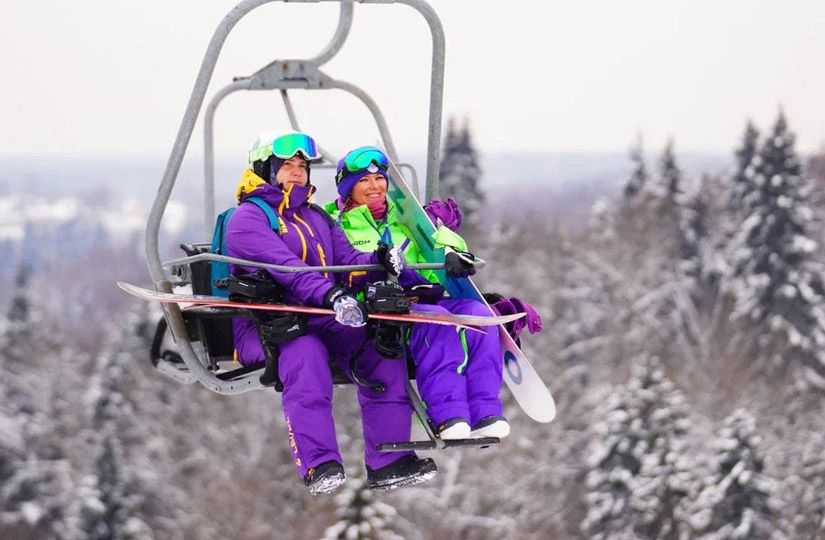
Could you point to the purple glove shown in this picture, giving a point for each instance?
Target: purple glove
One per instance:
(512, 305)
(445, 213)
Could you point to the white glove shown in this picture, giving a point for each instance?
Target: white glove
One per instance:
(349, 311)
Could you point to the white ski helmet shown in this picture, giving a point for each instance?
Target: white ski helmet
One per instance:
(283, 146)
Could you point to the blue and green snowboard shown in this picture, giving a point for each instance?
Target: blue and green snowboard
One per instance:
(521, 378)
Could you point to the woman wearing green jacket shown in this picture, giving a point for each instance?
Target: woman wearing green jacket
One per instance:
(459, 374)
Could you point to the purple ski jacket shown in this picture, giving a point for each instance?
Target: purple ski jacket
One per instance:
(307, 238)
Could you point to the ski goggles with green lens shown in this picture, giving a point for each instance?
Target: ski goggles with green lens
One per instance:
(287, 146)
(361, 159)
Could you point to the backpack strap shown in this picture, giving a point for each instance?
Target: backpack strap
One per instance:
(274, 221)
(220, 230)
(219, 271)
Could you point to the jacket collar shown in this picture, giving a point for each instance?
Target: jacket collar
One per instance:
(361, 216)
(283, 200)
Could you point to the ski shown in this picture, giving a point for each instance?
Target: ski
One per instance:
(521, 378)
(415, 316)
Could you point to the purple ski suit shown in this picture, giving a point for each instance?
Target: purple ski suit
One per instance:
(308, 238)
(459, 373)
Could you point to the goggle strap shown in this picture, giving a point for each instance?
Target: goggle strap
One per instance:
(287, 146)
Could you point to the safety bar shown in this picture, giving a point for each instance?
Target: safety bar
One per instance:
(477, 262)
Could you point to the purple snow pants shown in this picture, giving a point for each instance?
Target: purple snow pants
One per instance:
(307, 397)
(438, 354)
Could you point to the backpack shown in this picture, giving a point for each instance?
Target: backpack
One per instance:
(219, 270)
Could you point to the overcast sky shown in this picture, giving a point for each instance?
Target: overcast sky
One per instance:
(112, 77)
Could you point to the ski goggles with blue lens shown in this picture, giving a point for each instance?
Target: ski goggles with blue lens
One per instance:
(287, 146)
(361, 159)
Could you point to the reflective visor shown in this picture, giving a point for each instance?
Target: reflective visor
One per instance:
(284, 147)
(288, 145)
(360, 159)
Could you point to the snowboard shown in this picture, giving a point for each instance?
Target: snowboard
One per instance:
(521, 378)
(415, 316)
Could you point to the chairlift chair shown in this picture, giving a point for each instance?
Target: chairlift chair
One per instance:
(202, 336)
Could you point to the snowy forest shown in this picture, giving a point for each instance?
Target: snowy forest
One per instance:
(684, 342)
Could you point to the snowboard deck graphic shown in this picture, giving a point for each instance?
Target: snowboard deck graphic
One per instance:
(521, 378)
(416, 316)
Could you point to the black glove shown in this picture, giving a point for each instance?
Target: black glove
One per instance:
(386, 297)
(391, 258)
(332, 295)
(459, 263)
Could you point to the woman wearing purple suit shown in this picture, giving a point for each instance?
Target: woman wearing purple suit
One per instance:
(280, 176)
(459, 374)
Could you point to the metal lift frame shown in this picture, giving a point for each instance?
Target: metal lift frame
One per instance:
(281, 75)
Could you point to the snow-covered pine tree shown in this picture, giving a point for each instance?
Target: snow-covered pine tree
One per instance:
(11, 436)
(460, 172)
(681, 221)
(20, 303)
(12, 445)
(816, 165)
(615, 296)
(693, 230)
(815, 172)
(35, 483)
(639, 474)
(807, 483)
(708, 228)
(589, 299)
(361, 516)
(739, 185)
(663, 480)
(742, 179)
(670, 181)
(779, 282)
(107, 506)
(32, 501)
(735, 498)
(601, 225)
(105, 514)
(637, 181)
(704, 235)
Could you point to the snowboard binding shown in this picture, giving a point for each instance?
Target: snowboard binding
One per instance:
(274, 328)
(389, 337)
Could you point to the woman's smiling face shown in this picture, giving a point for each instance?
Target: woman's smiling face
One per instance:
(372, 187)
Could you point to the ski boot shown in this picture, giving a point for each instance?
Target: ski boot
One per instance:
(325, 478)
(407, 471)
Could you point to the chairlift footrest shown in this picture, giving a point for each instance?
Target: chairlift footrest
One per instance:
(482, 442)
(239, 372)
